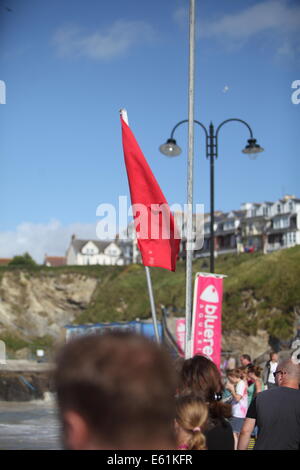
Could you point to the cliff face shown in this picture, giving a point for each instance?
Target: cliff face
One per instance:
(35, 306)
(261, 299)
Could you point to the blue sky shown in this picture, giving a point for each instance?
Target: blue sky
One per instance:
(69, 66)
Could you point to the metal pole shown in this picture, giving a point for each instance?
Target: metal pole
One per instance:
(123, 113)
(151, 297)
(189, 248)
(212, 198)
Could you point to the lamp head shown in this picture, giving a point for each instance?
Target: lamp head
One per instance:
(170, 148)
(252, 149)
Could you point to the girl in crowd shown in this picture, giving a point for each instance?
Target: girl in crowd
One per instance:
(201, 376)
(254, 374)
(191, 417)
(237, 385)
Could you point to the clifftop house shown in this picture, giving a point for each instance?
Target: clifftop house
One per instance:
(87, 252)
(54, 261)
(266, 227)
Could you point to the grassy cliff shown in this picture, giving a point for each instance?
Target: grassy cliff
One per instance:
(260, 292)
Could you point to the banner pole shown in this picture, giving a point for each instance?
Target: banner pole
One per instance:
(189, 247)
(151, 297)
(207, 316)
(124, 115)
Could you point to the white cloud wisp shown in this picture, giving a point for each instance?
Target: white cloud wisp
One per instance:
(278, 19)
(106, 44)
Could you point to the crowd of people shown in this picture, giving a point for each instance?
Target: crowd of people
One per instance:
(122, 391)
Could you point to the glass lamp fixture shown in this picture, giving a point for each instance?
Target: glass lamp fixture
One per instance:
(170, 148)
(252, 149)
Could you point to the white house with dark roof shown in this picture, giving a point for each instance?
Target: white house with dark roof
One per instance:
(88, 252)
(266, 227)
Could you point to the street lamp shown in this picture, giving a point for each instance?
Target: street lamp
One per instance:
(171, 149)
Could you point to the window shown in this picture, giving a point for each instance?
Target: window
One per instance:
(266, 211)
(278, 208)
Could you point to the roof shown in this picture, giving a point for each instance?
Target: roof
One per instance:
(285, 200)
(79, 244)
(55, 260)
(237, 214)
(5, 261)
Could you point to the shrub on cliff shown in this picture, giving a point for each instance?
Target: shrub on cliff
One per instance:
(25, 260)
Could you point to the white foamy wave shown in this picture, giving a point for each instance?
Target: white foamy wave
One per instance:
(49, 398)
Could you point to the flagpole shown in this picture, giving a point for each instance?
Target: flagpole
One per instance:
(124, 115)
(189, 250)
(151, 297)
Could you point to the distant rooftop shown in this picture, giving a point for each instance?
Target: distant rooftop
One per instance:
(55, 260)
(5, 261)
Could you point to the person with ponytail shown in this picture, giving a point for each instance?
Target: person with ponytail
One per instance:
(191, 417)
(200, 376)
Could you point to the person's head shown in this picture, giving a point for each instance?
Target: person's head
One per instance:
(115, 391)
(201, 376)
(287, 374)
(274, 357)
(245, 360)
(236, 375)
(191, 417)
(254, 372)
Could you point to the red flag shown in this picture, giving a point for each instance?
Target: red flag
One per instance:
(157, 234)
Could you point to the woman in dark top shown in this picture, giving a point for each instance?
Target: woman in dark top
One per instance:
(202, 377)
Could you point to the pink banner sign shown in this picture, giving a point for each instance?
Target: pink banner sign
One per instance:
(207, 316)
(180, 334)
